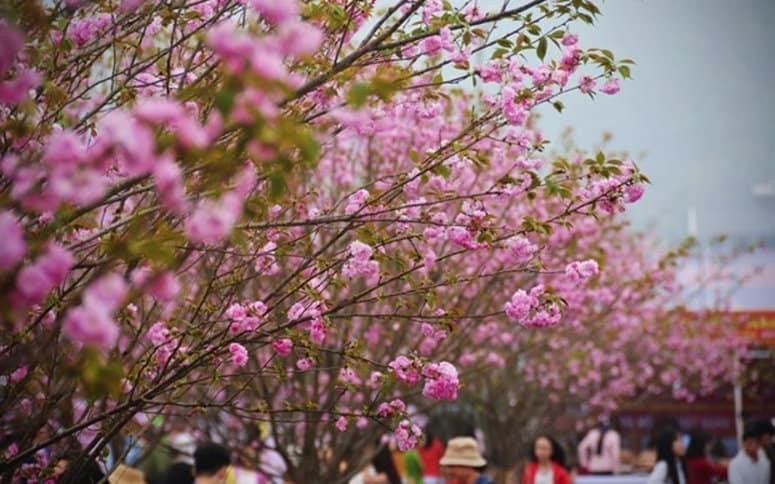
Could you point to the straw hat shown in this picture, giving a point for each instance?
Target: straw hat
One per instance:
(126, 475)
(462, 451)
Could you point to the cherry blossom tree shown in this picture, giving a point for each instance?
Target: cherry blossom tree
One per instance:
(275, 209)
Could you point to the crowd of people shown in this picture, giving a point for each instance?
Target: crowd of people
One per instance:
(677, 458)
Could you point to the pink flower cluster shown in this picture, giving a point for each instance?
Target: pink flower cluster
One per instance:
(348, 376)
(83, 31)
(245, 316)
(406, 435)
(239, 355)
(391, 409)
(441, 381)
(282, 346)
(162, 340)
(14, 246)
(527, 309)
(35, 280)
(405, 370)
(356, 201)
(520, 249)
(212, 220)
(581, 271)
(360, 263)
(432, 337)
(92, 322)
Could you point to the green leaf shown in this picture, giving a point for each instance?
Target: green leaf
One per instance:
(277, 186)
(358, 94)
(558, 105)
(541, 49)
(224, 100)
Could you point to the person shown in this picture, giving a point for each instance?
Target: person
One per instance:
(381, 470)
(179, 473)
(547, 463)
(750, 466)
(72, 467)
(671, 461)
(599, 452)
(430, 454)
(211, 463)
(701, 469)
(413, 467)
(767, 432)
(462, 463)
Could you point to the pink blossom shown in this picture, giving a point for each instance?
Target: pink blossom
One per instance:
(579, 272)
(348, 376)
(403, 368)
(317, 331)
(406, 435)
(19, 374)
(490, 72)
(521, 249)
(35, 281)
(239, 355)
(107, 292)
(14, 247)
(570, 39)
(211, 222)
(520, 305)
(354, 203)
(362, 422)
(15, 90)
(360, 251)
(12, 41)
(304, 364)
(90, 325)
(388, 410)
(441, 381)
(462, 237)
(282, 346)
(299, 38)
(236, 312)
(341, 423)
(610, 87)
(128, 6)
(164, 287)
(587, 84)
(158, 334)
(633, 193)
(168, 179)
(275, 12)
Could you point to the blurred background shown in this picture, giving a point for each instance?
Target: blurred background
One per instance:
(699, 118)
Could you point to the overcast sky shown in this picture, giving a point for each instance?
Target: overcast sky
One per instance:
(701, 108)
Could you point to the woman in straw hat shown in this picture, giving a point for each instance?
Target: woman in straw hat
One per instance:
(462, 462)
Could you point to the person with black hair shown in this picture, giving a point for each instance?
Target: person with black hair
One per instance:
(701, 469)
(749, 465)
(179, 473)
(211, 463)
(599, 452)
(430, 454)
(671, 460)
(73, 467)
(381, 469)
(767, 446)
(547, 463)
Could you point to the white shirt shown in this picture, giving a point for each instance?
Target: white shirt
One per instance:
(544, 476)
(743, 469)
(659, 475)
(608, 459)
